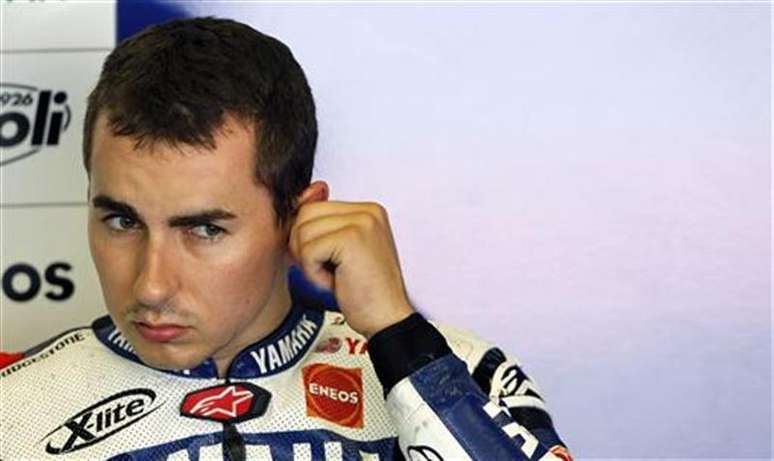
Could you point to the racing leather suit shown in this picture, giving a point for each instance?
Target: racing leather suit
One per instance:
(313, 389)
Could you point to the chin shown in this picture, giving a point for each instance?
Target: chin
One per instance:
(166, 362)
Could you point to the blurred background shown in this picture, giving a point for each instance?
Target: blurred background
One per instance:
(588, 185)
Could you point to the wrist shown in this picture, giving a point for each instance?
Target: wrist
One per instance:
(403, 348)
(386, 323)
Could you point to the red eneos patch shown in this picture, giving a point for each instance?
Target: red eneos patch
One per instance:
(226, 403)
(334, 394)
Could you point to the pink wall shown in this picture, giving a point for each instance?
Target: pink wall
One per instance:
(587, 185)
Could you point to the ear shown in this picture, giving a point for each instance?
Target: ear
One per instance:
(317, 191)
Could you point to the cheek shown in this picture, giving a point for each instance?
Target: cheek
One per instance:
(93, 244)
(240, 282)
(112, 265)
(100, 254)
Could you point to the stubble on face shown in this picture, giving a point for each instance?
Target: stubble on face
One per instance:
(190, 259)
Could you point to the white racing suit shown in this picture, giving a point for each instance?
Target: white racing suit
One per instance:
(313, 389)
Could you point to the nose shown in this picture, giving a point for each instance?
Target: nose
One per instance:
(156, 284)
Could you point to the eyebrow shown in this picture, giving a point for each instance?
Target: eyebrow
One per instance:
(195, 219)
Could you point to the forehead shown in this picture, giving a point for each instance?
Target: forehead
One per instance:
(151, 173)
(233, 130)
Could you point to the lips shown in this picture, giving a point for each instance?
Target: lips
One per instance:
(160, 333)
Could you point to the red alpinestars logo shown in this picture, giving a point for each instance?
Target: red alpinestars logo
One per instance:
(233, 402)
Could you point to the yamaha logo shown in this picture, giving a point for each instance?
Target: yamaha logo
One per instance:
(101, 420)
(31, 119)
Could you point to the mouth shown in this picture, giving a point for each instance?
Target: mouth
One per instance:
(160, 333)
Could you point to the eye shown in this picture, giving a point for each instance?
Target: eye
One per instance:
(207, 231)
(120, 223)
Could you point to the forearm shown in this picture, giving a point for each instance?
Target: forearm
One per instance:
(437, 407)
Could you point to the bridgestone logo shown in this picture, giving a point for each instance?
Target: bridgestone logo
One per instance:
(100, 421)
(48, 352)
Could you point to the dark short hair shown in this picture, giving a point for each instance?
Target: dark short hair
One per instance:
(175, 82)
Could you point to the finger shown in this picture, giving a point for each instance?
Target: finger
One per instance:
(317, 255)
(314, 228)
(314, 210)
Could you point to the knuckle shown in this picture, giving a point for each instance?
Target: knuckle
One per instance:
(374, 207)
(368, 221)
(307, 211)
(302, 232)
(354, 232)
(301, 213)
(377, 211)
(380, 211)
(304, 251)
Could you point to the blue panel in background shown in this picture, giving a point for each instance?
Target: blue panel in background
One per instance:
(133, 16)
(307, 293)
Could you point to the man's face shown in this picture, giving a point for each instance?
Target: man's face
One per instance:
(191, 262)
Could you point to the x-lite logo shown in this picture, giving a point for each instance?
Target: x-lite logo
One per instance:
(77, 431)
(101, 420)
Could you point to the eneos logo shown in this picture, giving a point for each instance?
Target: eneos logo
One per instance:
(30, 119)
(334, 394)
(101, 420)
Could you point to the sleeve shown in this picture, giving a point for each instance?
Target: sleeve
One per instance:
(442, 412)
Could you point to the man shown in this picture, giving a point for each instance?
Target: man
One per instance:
(199, 142)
